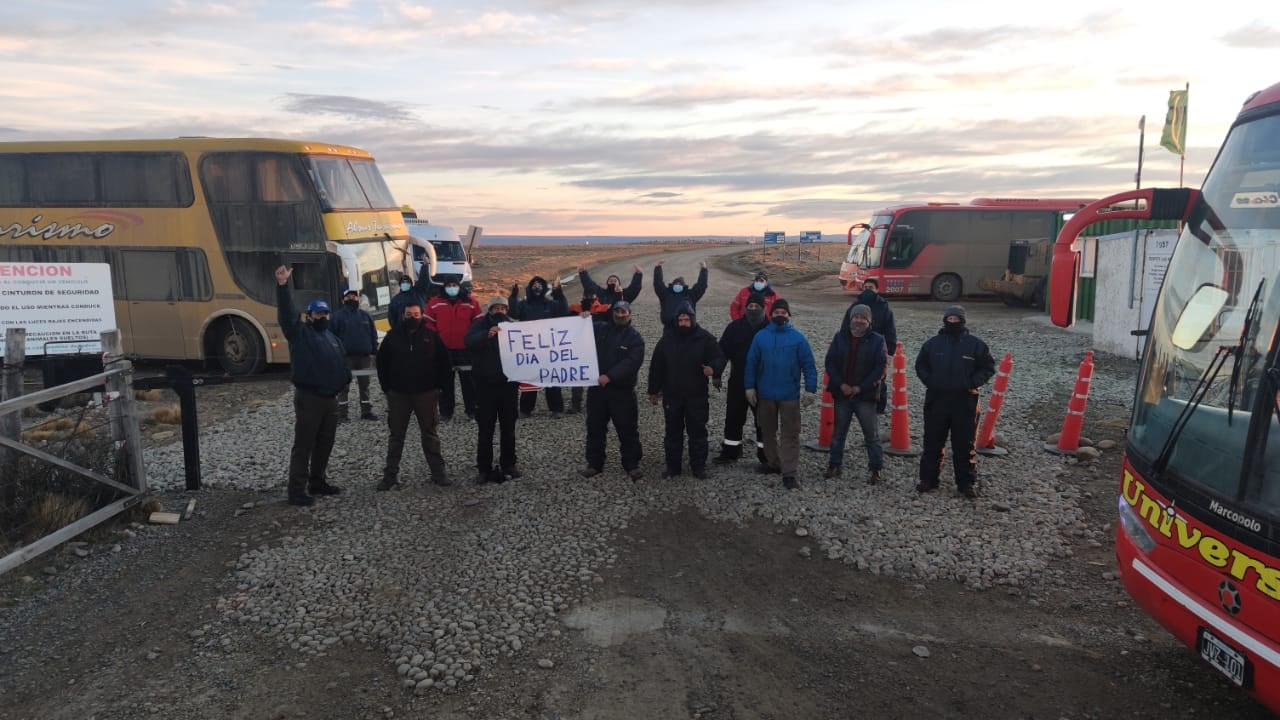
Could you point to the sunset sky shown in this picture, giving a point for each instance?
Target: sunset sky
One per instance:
(728, 117)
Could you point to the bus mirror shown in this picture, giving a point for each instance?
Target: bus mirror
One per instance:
(1198, 315)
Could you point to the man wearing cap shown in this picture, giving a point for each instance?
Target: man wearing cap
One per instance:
(496, 396)
(735, 341)
(953, 365)
(682, 361)
(413, 364)
(451, 315)
(318, 370)
(881, 322)
(619, 355)
(760, 286)
(612, 292)
(354, 327)
(672, 296)
(777, 362)
(855, 366)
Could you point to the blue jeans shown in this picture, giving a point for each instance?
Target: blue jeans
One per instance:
(845, 409)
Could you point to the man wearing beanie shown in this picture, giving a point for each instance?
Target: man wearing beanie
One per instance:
(952, 365)
(683, 360)
(735, 341)
(496, 396)
(619, 355)
(778, 358)
(855, 365)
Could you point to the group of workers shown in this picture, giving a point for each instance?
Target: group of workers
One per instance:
(770, 364)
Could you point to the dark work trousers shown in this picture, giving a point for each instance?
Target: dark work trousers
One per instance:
(685, 414)
(555, 400)
(315, 425)
(356, 362)
(618, 405)
(399, 407)
(735, 416)
(462, 366)
(575, 398)
(496, 404)
(954, 413)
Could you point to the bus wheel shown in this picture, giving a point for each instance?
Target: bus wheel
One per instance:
(238, 347)
(946, 288)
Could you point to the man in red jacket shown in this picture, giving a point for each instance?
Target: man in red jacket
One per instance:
(759, 286)
(450, 314)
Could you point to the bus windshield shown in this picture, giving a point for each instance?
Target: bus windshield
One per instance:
(1224, 270)
(874, 247)
(855, 247)
(349, 184)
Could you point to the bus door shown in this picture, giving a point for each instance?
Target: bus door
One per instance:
(152, 290)
(900, 252)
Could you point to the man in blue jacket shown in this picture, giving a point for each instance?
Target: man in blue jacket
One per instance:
(318, 370)
(619, 355)
(354, 327)
(855, 364)
(778, 357)
(952, 365)
(670, 297)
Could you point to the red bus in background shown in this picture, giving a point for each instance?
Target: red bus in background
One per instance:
(1198, 542)
(945, 250)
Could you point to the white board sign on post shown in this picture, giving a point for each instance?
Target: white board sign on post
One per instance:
(557, 352)
(1158, 248)
(65, 307)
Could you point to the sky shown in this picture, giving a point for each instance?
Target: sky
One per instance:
(658, 118)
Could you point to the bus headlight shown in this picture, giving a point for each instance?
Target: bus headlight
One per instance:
(1135, 528)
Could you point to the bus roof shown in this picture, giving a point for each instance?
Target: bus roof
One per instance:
(1263, 97)
(184, 144)
(991, 204)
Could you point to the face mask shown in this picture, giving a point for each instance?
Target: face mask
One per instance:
(677, 288)
(622, 321)
(405, 287)
(498, 317)
(779, 320)
(613, 287)
(953, 327)
(353, 304)
(755, 316)
(867, 296)
(411, 323)
(320, 324)
(858, 329)
(684, 330)
(759, 285)
(451, 291)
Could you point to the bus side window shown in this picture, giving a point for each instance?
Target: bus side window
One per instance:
(151, 275)
(900, 249)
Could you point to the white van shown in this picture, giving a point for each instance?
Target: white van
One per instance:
(451, 256)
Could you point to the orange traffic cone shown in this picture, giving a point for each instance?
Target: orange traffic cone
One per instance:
(826, 420)
(1069, 438)
(987, 436)
(899, 421)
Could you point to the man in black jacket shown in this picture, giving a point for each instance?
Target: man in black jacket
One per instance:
(413, 364)
(354, 327)
(496, 396)
(540, 302)
(671, 296)
(735, 341)
(952, 365)
(619, 355)
(682, 361)
(318, 370)
(882, 323)
(612, 292)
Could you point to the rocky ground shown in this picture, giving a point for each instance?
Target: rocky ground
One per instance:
(557, 597)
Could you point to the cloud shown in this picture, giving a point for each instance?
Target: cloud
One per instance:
(414, 13)
(185, 9)
(661, 195)
(598, 64)
(332, 4)
(347, 106)
(1253, 36)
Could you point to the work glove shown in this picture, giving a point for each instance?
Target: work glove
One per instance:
(807, 398)
(751, 397)
(715, 382)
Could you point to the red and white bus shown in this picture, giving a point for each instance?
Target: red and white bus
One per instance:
(1198, 542)
(946, 250)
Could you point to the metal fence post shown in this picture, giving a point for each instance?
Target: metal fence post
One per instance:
(184, 386)
(121, 406)
(15, 354)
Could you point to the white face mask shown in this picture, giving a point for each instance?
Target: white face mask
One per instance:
(758, 285)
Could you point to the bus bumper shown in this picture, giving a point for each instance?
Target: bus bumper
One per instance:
(1190, 619)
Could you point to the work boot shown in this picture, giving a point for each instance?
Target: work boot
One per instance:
(728, 454)
(635, 474)
(440, 477)
(670, 473)
(324, 488)
(832, 473)
(874, 477)
(445, 418)
(557, 415)
(789, 482)
(525, 415)
(512, 473)
(366, 413)
(923, 487)
(765, 468)
(589, 472)
(701, 473)
(301, 499)
(386, 483)
(969, 492)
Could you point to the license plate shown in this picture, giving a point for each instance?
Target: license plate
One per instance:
(1226, 659)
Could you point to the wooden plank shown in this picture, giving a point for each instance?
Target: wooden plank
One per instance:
(164, 518)
(191, 508)
(15, 354)
(56, 538)
(121, 409)
(66, 465)
(53, 393)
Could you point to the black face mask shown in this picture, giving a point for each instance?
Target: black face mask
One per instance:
(498, 317)
(684, 330)
(755, 316)
(613, 287)
(353, 304)
(536, 291)
(320, 324)
(867, 296)
(411, 324)
(955, 328)
(779, 320)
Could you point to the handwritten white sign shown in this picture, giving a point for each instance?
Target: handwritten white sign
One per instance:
(64, 307)
(558, 352)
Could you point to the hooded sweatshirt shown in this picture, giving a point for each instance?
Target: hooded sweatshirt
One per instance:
(678, 358)
(550, 304)
(671, 300)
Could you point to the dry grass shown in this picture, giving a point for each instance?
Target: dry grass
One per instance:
(149, 395)
(168, 415)
(52, 512)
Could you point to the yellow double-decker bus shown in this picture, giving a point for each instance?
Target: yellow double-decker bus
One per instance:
(194, 227)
